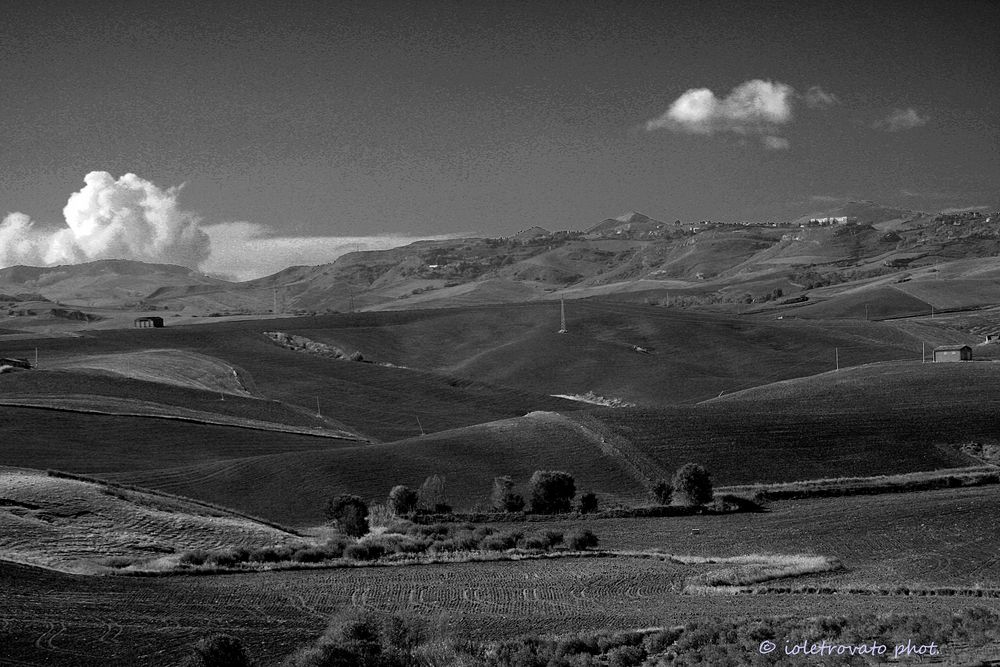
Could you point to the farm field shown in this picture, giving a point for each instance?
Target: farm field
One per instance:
(76, 526)
(95, 443)
(379, 402)
(943, 538)
(125, 620)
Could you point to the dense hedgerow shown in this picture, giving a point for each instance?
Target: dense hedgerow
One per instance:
(401, 539)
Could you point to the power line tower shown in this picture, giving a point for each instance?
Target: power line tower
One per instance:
(562, 309)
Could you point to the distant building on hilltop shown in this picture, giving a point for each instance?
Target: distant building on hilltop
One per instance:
(953, 353)
(143, 322)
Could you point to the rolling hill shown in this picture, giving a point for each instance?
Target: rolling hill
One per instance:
(76, 526)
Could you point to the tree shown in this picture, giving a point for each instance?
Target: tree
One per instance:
(350, 513)
(692, 485)
(432, 495)
(662, 491)
(587, 503)
(504, 498)
(552, 491)
(403, 500)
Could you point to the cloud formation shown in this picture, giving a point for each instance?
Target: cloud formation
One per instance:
(817, 98)
(900, 120)
(753, 108)
(128, 218)
(246, 250)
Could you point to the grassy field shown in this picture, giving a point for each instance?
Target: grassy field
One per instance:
(943, 538)
(95, 443)
(122, 621)
(469, 458)
(384, 403)
(76, 526)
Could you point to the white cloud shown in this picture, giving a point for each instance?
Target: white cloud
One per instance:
(245, 250)
(753, 107)
(817, 98)
(775, 143)
(900, 120)
(128, 218)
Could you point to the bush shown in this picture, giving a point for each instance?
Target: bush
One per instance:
(579, 539)
(507, 539)
(552, 491)
(503, 498)
(587, 503)
(350, 513)
(365, 551)
(403, 500)
(218, 651)
(692, 485)
(662, 491)
(194, 557)
(543, 541)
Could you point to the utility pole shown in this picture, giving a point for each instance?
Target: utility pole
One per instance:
(421, 426)
(562, 309)
(866, 312)
(837, 356)
(318, 414)
(36, 357)
(923, 352)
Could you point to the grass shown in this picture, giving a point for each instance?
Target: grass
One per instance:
(75, 525)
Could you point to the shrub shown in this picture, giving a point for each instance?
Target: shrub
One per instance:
(229, 557)
(403, 500)
(661, 491)
(625, 656)
(692, 485)
(551, 491)
(118, 562)
(365, 551)
(503, 498)
(579, 539)
(350, 513)
(194, 557)
(218, 651)
(309, 555)
(588, 503)
(543, 541)
(502, 541)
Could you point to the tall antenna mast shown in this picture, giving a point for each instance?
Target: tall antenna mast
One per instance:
(562, 309)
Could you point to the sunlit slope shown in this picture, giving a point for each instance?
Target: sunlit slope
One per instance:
(293, 488)
(76, 526)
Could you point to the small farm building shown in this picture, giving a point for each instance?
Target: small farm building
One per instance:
(953, 353)
(143, 322)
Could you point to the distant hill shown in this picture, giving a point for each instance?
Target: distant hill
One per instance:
(695, 264)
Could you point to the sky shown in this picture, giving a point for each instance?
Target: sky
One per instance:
(241, 137)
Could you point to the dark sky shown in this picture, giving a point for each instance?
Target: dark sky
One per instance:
(338, 118)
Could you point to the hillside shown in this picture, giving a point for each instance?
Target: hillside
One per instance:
(469, 458)
(703, 262)
(620, 453)
(76, 526)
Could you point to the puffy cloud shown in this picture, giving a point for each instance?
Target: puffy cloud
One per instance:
(128, 218)
(776, 143)
(817, 98)
(753, 107)
(901, 119)
(757, 107)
